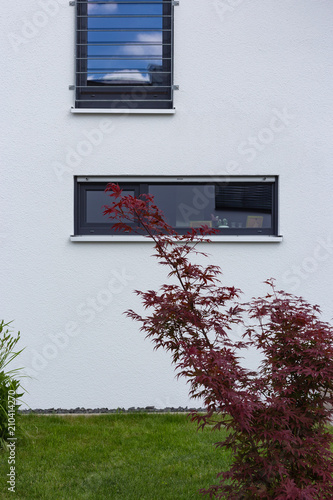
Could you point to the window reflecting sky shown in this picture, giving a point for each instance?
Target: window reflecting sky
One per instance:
(124, 41)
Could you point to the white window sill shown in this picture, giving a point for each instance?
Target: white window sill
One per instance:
(123, 111)
(139, 239)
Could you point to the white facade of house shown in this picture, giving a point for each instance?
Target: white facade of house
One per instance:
(255, 98)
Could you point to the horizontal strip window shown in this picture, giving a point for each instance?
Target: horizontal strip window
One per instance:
(234, 206)
(124, 53)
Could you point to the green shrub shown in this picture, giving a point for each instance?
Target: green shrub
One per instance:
(10, 386)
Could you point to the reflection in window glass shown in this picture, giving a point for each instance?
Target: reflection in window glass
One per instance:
(230, 206)
(124, 54)
(95, 202)
(125, 42)
(190, 203)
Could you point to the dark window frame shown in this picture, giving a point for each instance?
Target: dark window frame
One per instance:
(140, 185)
(155, 95)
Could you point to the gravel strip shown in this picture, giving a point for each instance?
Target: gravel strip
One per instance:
(98, 411)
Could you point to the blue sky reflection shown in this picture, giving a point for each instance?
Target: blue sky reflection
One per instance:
(125, 44)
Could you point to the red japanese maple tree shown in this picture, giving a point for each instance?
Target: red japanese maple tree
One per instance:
(277, 417)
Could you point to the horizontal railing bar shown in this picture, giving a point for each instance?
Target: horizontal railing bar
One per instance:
(150, 57)
(126, 100)
(143, 84)
(110, 30)
(91, 73)
(102, 71)
(110, 58)
(118, 16)
(111, 44)
(125, 2)
(119, 58)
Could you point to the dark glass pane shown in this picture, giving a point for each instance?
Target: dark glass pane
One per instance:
(185, 206)
(238, 206)
(95, 201)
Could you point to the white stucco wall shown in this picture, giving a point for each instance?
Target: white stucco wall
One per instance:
(239, 65)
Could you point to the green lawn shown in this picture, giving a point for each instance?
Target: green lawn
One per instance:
(119, 457)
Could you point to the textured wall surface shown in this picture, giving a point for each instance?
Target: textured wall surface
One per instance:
(255, 98)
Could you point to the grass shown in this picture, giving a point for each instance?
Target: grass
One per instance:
(119, 457)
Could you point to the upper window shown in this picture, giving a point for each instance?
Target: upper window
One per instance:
(124, 54)
(235, 206)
